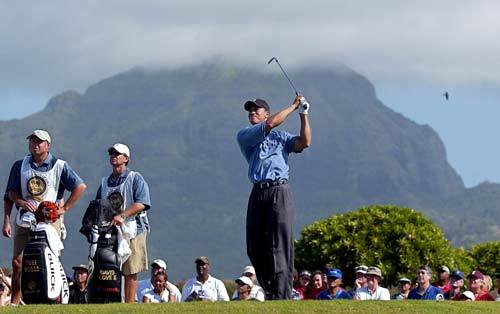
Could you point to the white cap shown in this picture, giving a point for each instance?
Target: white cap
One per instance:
(160, 263)
(248, 269)
(41, 134)
(444, 268)
(245, 280)
(121, 148)
(469, 295)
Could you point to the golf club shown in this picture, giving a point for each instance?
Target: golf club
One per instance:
(282, 70)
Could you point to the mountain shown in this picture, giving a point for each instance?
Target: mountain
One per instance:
(181, 126)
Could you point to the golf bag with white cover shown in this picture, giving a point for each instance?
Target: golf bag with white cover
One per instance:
(105, 276)
(43, 279)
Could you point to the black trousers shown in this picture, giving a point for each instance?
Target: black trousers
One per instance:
(269, 239)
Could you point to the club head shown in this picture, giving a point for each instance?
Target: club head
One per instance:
(271, 60)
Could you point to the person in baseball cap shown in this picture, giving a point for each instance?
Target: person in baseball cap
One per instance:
(476, 285)
(158, 266)
(130, 193)
(457, 278)
(360, 280)
(334, 289)
(204, 287)
(443, 281)
(78, 291)
(373, 290)
(33, 179)
(243, 289)
(256, 291)
(404, 289)
(41, 135)
(267, 152)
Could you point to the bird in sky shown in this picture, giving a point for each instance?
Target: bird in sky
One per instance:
(446, 95)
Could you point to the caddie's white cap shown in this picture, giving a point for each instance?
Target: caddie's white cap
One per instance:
(160, 263)
(121, 148)
(248, 269)
(244, 280)
(41, 134)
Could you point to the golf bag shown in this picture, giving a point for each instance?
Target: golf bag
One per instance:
(42, 279)
(105, 277)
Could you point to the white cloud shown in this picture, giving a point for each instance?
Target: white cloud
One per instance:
(56, 45)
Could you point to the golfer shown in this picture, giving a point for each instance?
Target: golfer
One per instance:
(270, 211)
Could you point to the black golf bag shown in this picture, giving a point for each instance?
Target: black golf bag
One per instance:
(42, 279)
(105, 276)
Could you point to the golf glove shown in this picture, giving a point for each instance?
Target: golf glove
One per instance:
(63, 231)
(304, 106)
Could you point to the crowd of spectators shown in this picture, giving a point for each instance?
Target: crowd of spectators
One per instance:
(326, 284)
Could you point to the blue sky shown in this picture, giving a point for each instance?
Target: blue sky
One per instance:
(411, 50)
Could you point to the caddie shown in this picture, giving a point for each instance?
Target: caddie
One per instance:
(270, 210)
(128, 190)
(38, 177)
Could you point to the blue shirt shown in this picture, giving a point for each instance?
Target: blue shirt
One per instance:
(432, 293)
(267, 155)
(69, 179)
(141, 192)
(341, 294)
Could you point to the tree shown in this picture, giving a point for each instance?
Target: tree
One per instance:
(397, 240)
(486, 257)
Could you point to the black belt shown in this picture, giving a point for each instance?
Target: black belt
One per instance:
(268, 184)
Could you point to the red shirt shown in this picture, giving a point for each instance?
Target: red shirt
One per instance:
(484, 296)
(313, 294)
(445, 288)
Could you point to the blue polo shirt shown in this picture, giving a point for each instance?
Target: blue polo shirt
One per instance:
(69, 179)
(341, 294)
(267, 155)
(432, 293)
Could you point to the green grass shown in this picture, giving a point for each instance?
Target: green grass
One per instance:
(269, 307)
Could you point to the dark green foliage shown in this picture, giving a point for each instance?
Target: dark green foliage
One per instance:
(486, 257)
(395, 239)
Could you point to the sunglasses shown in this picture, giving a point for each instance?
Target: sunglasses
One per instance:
(115, 153)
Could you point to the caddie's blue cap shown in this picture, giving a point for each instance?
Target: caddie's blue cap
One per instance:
(334, 273)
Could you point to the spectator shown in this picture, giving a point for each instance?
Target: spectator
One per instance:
(425, 291)
(488, 283)
(157, 266)
(360, 280)
(467, 296)
(404, 289)
(5, 282)
(204, 287)
(497, 275)
(304, 280)
(457, 286)
(373, 291)
(78, 291)
(243, 291)
(334, 289)
(476, 285)
(443, 281)
(256, 292)
(316, 286)
(161, 293)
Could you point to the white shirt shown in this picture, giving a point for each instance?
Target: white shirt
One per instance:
(213, 289)
(366, 294)
(144, 285)
(156, 298)
(256, 293)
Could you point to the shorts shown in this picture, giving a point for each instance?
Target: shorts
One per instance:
(21, 237)
(138, 260)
